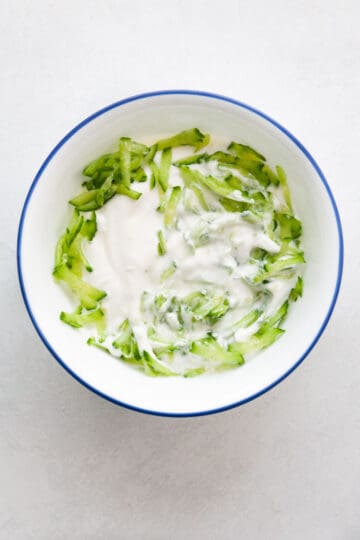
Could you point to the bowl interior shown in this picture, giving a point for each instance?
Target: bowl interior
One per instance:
(46, 215)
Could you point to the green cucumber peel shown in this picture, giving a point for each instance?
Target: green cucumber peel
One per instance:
(79, 319)
(171, 206)
(161, 244)
(210, 349)
(190, 137)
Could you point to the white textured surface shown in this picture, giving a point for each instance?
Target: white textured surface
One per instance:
(74, 466)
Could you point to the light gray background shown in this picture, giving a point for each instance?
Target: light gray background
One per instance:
(73, 466)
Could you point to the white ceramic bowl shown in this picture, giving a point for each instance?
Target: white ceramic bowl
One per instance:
(44, 217)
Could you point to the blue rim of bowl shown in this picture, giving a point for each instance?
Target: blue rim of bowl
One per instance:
(220, 98)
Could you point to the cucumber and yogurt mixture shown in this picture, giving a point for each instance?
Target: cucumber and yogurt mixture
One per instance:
(183, 256)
